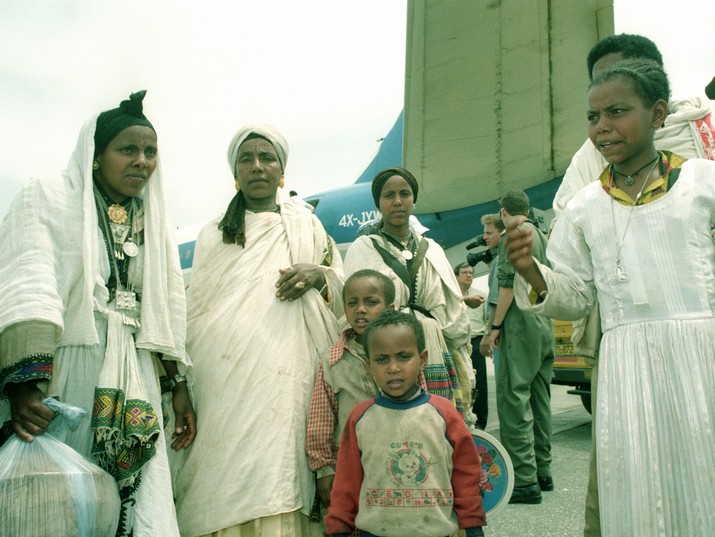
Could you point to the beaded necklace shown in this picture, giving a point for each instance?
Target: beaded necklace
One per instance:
(629, 177)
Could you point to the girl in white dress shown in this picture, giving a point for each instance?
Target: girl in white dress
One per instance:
(641, 241)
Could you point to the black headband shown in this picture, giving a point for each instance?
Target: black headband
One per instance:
(381, 178)
(112, 122)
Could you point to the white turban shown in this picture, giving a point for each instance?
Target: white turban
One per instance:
(280, 144)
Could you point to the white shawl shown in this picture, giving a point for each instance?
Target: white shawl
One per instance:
(256, 359)
(49, 259)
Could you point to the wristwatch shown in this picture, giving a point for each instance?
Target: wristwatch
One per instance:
(174, 381)
(496, 327)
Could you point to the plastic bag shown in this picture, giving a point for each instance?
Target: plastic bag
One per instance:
(47, 489)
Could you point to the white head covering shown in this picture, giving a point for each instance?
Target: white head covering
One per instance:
(686, 131)
(67, 236)
(266, 131)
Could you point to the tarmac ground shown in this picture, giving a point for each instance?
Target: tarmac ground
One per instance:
(561, 512)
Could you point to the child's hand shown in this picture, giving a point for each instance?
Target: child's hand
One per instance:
(325, 485)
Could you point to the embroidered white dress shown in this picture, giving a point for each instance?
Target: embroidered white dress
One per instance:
(655, 413)
(54, 268)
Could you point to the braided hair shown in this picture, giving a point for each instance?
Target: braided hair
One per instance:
(629, 45)
(649, 79)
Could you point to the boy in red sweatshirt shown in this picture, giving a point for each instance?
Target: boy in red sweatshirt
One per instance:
(407, 465)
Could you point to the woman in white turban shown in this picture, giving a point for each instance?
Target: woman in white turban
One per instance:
(262, 303)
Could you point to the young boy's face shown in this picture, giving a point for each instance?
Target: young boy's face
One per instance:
(395, 360)
(364, 300)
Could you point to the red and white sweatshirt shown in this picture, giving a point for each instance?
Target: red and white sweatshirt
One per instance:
(406, 468)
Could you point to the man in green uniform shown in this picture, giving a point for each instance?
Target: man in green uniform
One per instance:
(526, 341)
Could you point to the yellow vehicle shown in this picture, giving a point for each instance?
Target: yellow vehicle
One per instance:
(570, 369)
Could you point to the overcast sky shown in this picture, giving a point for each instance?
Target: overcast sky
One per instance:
(328, 73)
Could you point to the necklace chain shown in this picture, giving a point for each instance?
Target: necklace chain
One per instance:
(119, 280)
(276, 209)
(404, 241)
(629, 176)
(406, 245)
(619, 273)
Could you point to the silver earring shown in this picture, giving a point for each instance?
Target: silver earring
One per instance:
(95, 165)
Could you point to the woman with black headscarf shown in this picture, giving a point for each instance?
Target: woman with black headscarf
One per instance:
(92, 307)
(424, 281)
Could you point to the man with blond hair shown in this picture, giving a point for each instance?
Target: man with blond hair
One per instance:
(493, 229)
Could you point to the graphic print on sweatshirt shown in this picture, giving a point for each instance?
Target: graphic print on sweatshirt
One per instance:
(408, 467)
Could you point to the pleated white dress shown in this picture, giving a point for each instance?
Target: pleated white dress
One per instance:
(655, 413)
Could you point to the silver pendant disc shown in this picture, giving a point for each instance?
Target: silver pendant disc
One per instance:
(130, 248)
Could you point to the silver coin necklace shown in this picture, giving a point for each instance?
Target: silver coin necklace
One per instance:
(405, 245)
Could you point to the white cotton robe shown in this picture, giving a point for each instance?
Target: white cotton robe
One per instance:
(53, 269)
(256, 359)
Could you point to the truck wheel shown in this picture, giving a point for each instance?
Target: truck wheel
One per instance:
(586, 401)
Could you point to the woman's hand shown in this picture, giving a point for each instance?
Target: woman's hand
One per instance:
(473, 301)
(185, 417)
(30, 416)
(519, 244)
(295, 281)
